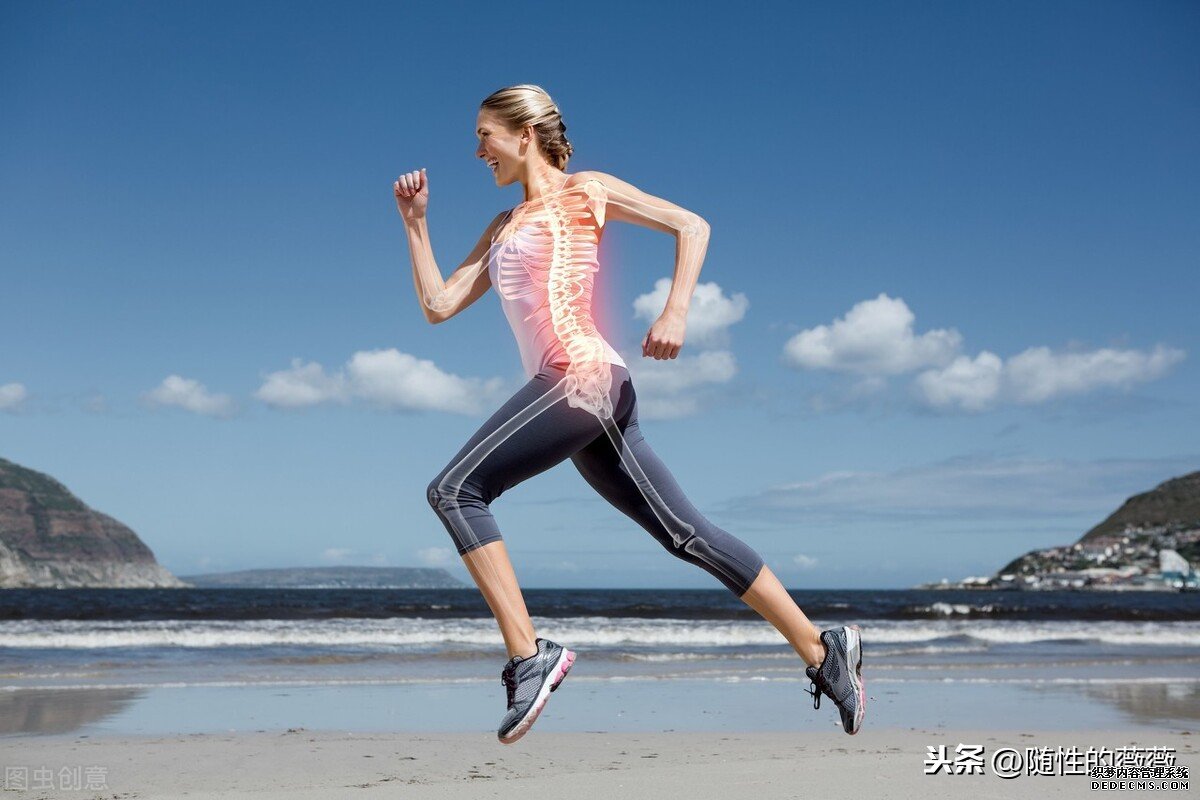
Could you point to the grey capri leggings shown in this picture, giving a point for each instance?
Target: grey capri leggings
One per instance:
(461, 493)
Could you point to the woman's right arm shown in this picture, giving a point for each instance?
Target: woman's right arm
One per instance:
(440, 300)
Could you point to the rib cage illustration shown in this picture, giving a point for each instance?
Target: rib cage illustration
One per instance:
(559, 259)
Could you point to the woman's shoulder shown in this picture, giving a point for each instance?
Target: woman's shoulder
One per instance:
(580, 178)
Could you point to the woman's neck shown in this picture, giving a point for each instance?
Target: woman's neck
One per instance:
(548, 183)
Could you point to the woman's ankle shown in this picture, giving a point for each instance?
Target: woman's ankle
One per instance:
(524, 651)
(814, 653)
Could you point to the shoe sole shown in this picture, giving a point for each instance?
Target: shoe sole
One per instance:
(854, 648)
(565, 659)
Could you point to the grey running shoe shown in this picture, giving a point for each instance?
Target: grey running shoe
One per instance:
(840, 675)
(529, 682)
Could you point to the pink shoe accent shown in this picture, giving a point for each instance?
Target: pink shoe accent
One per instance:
(563, 669)
(862, 685)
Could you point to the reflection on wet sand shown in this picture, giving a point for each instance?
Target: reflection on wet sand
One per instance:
(60, 710)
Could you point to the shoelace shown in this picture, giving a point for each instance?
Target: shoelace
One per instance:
(508, 677)
(819, 685)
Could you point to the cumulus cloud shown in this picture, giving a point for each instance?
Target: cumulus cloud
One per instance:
(387, 379)
(968, 383)
(668, 388)
(674, 388)
(12, 395)
(190, 395)
(875, 337)
(302, 385)
(876, 340)
(1039, 374)
(803, 561)
(710, 313)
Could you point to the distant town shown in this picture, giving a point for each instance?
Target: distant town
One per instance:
(1137, 559)
(1148, 544)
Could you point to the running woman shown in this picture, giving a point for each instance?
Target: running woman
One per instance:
(541, 257)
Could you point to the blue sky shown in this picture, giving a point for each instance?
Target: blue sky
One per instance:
(947, 314)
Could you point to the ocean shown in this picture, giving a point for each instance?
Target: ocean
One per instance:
(126, 660)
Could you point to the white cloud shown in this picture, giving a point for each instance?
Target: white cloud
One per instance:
(12, 395)
(190, 395)
(387, 379)
(336, 554)
(302, 385)
(971, 384)
(803, 561)
(436, 556)
(1039, 374)
(668, 388)
(685, 372)
(710, 312)
(875, 337)
(675, 387)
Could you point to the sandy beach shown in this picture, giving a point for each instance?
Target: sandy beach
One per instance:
(173, 696)
(300, 764)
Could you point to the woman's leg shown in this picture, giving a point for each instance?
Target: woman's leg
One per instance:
(713, 549)
(768, 597)
(534, 430)
(493, 572)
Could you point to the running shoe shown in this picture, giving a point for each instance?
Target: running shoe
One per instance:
(840, 675)
(529, 682)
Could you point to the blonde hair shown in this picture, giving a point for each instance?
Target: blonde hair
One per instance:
(527, 104)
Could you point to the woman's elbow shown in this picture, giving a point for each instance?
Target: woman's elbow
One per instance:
(695, 225)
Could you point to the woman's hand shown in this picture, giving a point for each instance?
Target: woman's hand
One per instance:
(665, 336)
(412, 195)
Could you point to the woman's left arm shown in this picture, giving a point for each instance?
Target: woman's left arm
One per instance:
(620, 200)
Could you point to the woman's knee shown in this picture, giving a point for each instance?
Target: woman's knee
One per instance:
(433, 493)
(444, 496)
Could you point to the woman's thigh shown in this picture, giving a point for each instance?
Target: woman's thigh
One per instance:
(622, 467)
(627, 472)
(533, 431)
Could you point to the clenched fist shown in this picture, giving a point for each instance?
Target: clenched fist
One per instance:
(665, 337)
(412, 195)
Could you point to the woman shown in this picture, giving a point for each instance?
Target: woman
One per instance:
(541, 256)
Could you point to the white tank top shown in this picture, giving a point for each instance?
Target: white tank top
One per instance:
(520, 266)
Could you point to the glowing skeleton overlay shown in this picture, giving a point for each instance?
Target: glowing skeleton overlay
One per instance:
(573, 214)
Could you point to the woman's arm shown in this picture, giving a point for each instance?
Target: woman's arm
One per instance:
(441, 300)
(623, 201)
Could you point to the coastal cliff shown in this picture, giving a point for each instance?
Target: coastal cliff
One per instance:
(50, 538)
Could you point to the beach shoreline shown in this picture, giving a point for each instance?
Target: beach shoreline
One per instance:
(299, 763)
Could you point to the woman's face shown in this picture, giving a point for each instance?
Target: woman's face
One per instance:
(497, 145)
